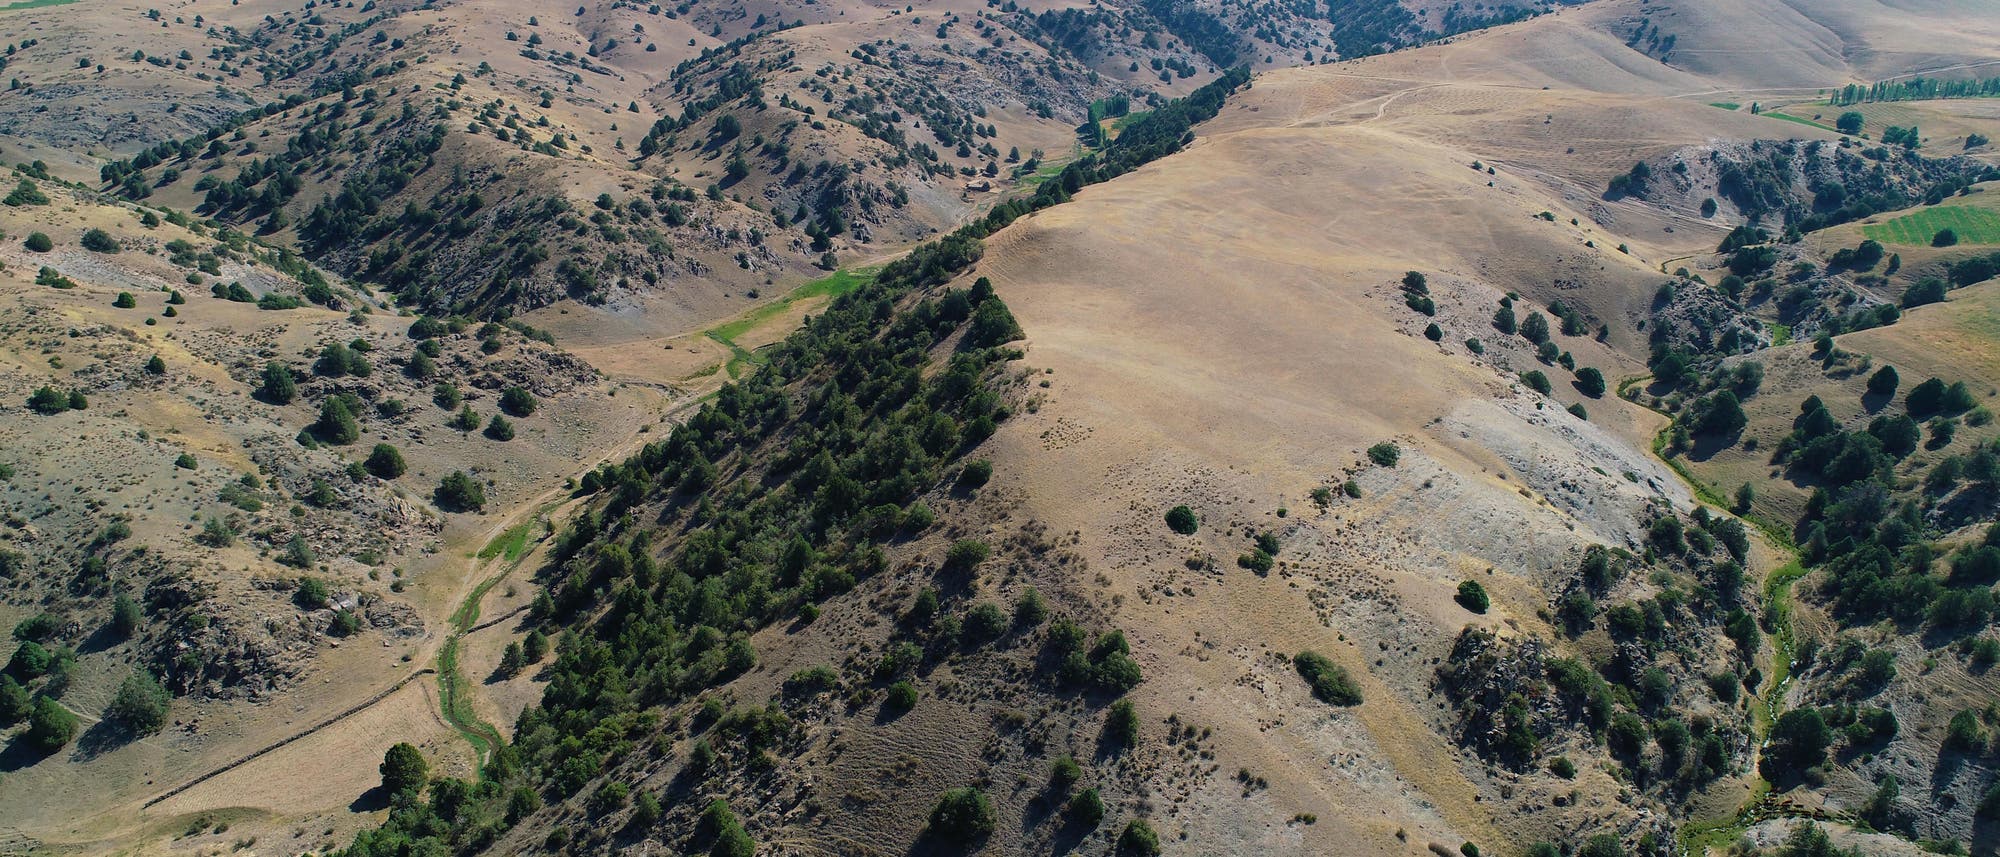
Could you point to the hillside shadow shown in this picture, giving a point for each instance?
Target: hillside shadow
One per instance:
(886, 714)
(1659, 389)
(1985, 835)
(1069, 838)
(371, 800)
(102, 737)
(1066, 835)
(1949, 763)
(20, 755)
(929, 844)
(103, 639)
(1707, 446)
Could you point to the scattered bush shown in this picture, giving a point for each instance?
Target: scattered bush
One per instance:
(460, 493)
(1590, 382)
(1139, 840)
(499, 429)
(99, 241)
(386, 462)
(1472, 596)
(965, 555)
(50, 726)
(1329, 681)
(278, 387)
(517, 402)
(140, 705)
(1181, 519)
(403, 769)
(312, 594)
(1086, 810)
(962, 815)
(975, 474)
(902, 696)
(1121, 724)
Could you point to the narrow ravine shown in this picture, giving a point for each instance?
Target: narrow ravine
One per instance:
(1698, 836)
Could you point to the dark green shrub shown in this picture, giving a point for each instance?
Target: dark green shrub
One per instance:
(962, 815)
(1385, 454)
(312, 593)
(965, 555)
(499, 429)
(1063, 773)
(278, 387)
(1590, 382)
(386, 462)
(1029, 609)
(1121, 724)
(403, 769)
(48, 401)
(1086, 810)
(517, 402)
(336, 424)
(1472, 596)
(50, 726)
(1139, 840)
(1329, 681)
(901, 696)
(1181, 519)
(140, 705)
(460, 493)
(982, 623)
(125, 616)
(1928, 290)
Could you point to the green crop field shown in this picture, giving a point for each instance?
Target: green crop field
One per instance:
(831, 286)
(1973, 225)
(1799, 119)
(33, 4)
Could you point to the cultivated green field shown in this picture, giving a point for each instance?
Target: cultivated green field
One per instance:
(1973, 225)
(831, 286)
(33, 4)
(1798, 119)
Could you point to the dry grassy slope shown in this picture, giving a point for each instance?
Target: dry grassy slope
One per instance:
(606, 71)
(1237, 372)
(71, 114)
(270, 669)
(1223, 330)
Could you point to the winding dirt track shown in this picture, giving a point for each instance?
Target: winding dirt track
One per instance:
(472, 578)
